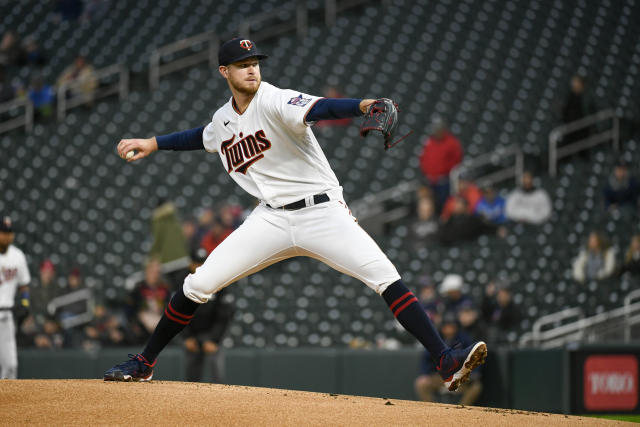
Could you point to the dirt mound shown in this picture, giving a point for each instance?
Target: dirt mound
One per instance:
(75, 402)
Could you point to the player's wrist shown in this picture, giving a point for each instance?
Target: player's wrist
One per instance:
(153, 144)
(365, 104)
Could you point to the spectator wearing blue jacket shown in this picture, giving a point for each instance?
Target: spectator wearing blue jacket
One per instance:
(491, 207)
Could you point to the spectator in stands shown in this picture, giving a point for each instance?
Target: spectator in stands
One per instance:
(215, 236)
(429, 381)
(203, 336)
(528, 204)
(33, 54)
(206, 218)
(470, 321)
(441, 153)
(82, 78)
(596, 261)
(622, 189)
(42, 97)
(577, 105)
(51, 336)
(631, 262)
(468, 191)
(451, 290)
(169, 245)
(146, 303)
(429, 299)
(6, 90)
(500, 312)
(105, 330)
(74, 284)
(43, 291)
(424, 229)
(491, 207)
(462, 226)
(10, 51)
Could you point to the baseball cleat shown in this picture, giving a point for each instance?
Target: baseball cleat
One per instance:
(456, 364)
(137, 368)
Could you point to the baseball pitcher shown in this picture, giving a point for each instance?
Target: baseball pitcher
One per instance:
(264, 140)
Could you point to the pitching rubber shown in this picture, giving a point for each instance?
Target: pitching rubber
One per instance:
(476, 357)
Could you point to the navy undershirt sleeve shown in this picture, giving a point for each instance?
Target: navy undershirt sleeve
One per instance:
(334, 108)
(181, 141)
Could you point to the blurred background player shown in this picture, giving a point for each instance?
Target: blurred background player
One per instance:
(14, 276)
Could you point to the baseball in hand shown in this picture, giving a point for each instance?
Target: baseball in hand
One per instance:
(130, 154)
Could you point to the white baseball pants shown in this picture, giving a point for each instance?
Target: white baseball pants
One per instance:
(326, 231)
(8, 350)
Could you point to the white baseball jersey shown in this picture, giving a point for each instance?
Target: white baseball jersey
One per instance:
(270, 150)
(13, 273)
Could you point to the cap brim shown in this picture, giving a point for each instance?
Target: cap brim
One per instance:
(247, 56)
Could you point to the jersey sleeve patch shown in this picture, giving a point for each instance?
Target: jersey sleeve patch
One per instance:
(299, 101)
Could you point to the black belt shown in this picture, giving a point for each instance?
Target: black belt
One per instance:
(6, 308)
(317, 199)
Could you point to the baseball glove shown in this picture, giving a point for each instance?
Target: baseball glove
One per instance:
(382, 116)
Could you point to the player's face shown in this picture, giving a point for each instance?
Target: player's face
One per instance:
(243, 76)
(5, 240)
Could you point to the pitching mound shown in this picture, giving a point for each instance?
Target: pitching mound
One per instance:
(82, 402)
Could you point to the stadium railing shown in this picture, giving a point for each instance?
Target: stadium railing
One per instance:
(67, 101)
(555, 136)
(10, 120)
(203, 47)
(610, 325)
(493, 159)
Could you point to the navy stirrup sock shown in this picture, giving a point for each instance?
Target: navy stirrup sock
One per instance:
(177, 315)
(407, 309)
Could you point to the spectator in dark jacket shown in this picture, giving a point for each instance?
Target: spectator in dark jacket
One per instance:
(169, 244)
(203, 336)
(463, 226)
(578, 104)
(442, 152)
(145, 304)
(621, 189)
(429, 381)
(631, 262)
(500, 312)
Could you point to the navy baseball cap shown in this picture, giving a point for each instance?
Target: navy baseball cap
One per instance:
(238, 49)
(5, 224)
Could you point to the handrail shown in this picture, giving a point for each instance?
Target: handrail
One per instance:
(300, 24)
(168, 267)
(553, 318)
(555, 136)
(631, 296)
(489, 159)
(25, 119)
(70, 298)
(366, 206)
(121, 87)
(626, 316)
(157, 70)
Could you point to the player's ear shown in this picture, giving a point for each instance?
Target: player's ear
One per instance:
(223, 71)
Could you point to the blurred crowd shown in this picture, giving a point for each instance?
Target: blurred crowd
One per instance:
(65, 313)
(27, 54)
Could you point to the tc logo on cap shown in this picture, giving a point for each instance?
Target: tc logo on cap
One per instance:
(6, 222)
(246, 44)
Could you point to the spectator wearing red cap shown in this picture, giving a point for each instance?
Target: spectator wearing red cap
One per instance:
(442, 152)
